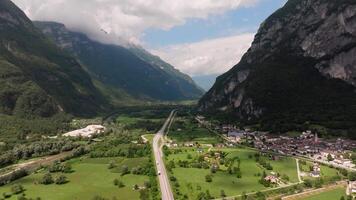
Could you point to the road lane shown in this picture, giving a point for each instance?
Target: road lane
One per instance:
(166, 190)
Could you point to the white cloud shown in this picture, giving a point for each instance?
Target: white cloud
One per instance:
(125, 20)
(214, 56)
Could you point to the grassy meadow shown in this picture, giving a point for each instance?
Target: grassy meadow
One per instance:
(192, 180)
(90, 177)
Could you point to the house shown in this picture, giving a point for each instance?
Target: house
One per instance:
(352, 187)
(217, 155)
(326, 153)
(315, 173)
(189, 144)
(235, 133)
(199, 117)
(272, 179)
(88, 131)
(200, 150)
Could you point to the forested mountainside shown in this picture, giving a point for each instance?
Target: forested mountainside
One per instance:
(36, 77)
(129, 71)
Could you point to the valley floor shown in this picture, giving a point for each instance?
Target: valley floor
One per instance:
(200, 165)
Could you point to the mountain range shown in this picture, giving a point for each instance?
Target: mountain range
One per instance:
(129, 71)
(47, 69)
(300, 71)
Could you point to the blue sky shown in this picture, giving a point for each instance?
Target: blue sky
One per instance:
(233, 22)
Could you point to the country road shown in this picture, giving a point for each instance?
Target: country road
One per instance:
(165, 186)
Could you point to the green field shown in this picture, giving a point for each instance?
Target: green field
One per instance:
(192, 180)
(326, 172)
(283, 165)
(149, 137)
(335, 194)
(187, 130)
(90, 177)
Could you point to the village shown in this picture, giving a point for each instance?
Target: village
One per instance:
(336, 152)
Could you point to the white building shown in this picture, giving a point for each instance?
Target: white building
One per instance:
(88, 131)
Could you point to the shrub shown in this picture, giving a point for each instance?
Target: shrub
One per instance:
(17, 189)
(61, 180)
(47, 179)
(118, 183)
(208, 178)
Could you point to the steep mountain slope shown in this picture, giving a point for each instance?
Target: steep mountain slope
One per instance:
(131, 70)
(36, 77)
(301, 68)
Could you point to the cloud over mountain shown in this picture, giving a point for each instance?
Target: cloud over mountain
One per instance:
(114, 21)
(207, 57)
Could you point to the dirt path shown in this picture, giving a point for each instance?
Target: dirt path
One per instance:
(34, 164)
(145, 140)
(308, 193)
(298, 171)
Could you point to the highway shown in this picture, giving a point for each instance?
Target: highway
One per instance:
(165, 186)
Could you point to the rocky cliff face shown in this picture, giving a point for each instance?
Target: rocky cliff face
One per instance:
(306, 50)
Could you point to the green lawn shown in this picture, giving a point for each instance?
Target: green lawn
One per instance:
(185, 152)
(187, 130)
(287, 166)
(335, 194)
(326, 172)
(90, 177)
(125, 120)
(191, 179)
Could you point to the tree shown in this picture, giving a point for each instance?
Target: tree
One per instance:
(222, 193)
(135, 187)
(342, 198)
(208, 178)
(173, 178)
(17, 189)
(260, 196)
(21, 197)
(111, 165)
(213, 169)
(243, 196)
(47, 179)
(330, 158)
(147, 184)
(308, 183)
(208, 195)
(343, 172)
(352, 176)
(238, 173)
(124, 170)
(61, 179)
(98, 198)
(67, 168)
(118, 183)
(144, 195)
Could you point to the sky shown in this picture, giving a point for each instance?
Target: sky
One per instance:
(198, 37)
